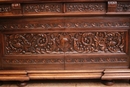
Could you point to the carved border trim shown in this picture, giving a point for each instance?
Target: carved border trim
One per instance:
(67, 61)
(97, 60)
(34, 61)
(64, 25)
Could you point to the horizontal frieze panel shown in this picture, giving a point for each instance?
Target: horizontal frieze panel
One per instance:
(63, 8)
(85, 7)
(68, 60)
(79, 61)
(34, 61)
(83, 59)
(42, 8)
(65, 42)
(64, 23)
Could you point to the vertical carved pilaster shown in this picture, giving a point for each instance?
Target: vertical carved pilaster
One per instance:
(16, 8)
(112, 5)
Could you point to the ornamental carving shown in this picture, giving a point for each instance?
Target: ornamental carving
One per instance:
(96, 60)
(5, 9)
(68, 60)
(59, 43)
(61, 25)
(123, 7)
(37, 8)
(34, 61)
(85, 7)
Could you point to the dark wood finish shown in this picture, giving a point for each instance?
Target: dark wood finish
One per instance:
(64, 39)
(21, 84)
(108, 82)
(1, 83)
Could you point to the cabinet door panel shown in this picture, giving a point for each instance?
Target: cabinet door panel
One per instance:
(32, 51)
(102, 49)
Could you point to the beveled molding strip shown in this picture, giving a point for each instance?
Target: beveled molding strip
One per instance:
(106, 75)
(64, 8)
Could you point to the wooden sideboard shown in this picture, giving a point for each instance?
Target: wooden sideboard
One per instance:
(64, 39)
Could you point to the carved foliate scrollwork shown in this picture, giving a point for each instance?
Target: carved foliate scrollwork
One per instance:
(96, 60)
(62, 25)
(34, 61)
(82, 42)
(123, 7)
(44, 7)
(85, 7)
(68, 60)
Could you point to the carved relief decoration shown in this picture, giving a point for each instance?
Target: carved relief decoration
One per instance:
(61, 25)
(69, 60)
(5, 9)
(96, 60)
(37, 8)
(123, 7)
(82, 42)
(85, 7)
(34, 61)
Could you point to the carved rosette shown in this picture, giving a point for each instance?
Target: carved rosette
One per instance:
(48, 43)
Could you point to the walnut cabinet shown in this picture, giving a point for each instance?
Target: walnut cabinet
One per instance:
(64, 39)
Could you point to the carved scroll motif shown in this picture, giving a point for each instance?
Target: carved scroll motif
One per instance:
(34, 61)
(61, 61)
(64, 25)
(37, 8)
(85, 7)
(47, 43)
(96, 60)
(123, 7)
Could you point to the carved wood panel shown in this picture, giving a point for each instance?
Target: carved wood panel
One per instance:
(96, 60)
(123, 7)
(65, 42)
(85, 7)
(63, 8)
(34, 61)
(44, 7)
(5, 8)
(63, 23)
(83, 61)
(50, 35)
(65, 50)
(45, 61)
